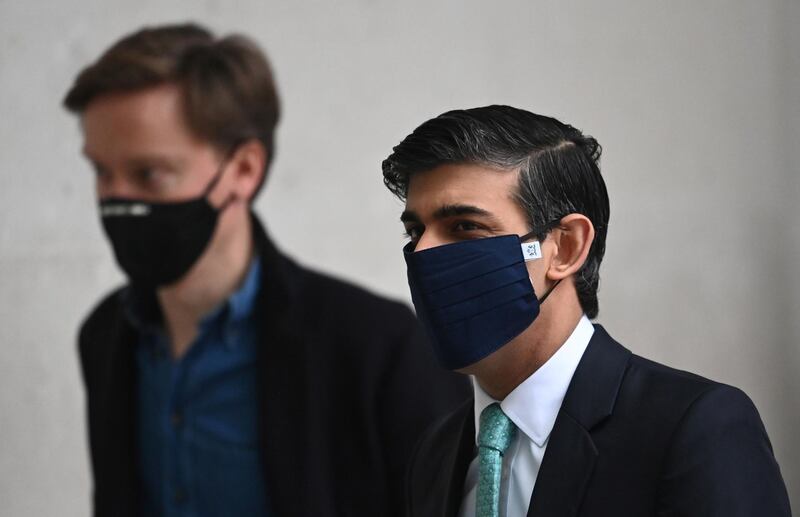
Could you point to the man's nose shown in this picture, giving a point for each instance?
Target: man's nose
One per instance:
(428, 240)
(114, 185)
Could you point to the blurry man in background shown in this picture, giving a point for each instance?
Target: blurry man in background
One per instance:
(225, 379)
(507, 216)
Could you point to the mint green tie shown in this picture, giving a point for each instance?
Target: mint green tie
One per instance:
(494, 436)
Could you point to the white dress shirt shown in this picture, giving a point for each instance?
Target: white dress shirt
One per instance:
(533, 407)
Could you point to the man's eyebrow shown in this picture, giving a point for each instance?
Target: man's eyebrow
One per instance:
(446, 211)
(158, 160)
(443, 212)
(143, 160)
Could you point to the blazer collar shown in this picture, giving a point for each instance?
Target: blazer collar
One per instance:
(115, 448)
(450, 455)
(593, 391)
(457, 462)
(534, 405)
(279, 279)
(286, 346)
(571, 453)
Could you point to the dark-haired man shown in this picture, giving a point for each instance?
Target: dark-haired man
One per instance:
(507, 215)
(225, 379)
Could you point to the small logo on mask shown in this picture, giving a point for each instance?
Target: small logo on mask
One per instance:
(134, 210)
(531, 250)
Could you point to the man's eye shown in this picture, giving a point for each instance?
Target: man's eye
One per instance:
(466, 226)
(145, 175)
(99, 171)
(153, 178)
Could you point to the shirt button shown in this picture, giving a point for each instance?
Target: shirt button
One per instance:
(176, 419)
(179, 495)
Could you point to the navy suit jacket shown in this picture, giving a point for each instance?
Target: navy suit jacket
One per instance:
(632, 438)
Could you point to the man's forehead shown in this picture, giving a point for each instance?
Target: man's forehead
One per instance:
(460, 184)
(138, 148)
(143, 126)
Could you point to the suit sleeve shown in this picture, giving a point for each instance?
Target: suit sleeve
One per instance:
(416, 392)
(720, 462)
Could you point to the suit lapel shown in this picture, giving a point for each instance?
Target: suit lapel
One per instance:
(457, 458)
(283, 383)
(118, 473)
(565, 470)
(440, 463)
(571, 454)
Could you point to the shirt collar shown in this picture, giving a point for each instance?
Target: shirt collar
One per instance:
(534, 404)
(241, 303)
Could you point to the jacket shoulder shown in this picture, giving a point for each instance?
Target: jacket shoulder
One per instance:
(330, 305)
(330, 286)
(666, 385)
(668, 405)
(368, 335)
(693, 445)
(650, 404)
(678, 398)
(107, 309)
(341, 304)
(719, 459)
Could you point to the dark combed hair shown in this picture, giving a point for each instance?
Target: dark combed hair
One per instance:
(229, 93)
(558, 170)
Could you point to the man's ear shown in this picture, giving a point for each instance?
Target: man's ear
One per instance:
(248, 162)
(572, 239)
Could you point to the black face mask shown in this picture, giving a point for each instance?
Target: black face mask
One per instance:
(157, 243)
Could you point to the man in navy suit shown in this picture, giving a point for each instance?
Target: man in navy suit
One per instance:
(507, 213)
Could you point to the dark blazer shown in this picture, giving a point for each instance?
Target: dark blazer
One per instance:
(632, 438)
(347, 386)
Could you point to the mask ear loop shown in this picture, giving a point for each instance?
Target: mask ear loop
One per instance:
(218, 176)
(544, 297)
(540, 230)
(535, 233)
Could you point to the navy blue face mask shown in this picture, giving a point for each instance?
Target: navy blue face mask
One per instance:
(474, 296)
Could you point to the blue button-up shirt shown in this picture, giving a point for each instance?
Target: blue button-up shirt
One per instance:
(198, 415)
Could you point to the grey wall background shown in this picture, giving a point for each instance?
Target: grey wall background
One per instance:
(695, 103)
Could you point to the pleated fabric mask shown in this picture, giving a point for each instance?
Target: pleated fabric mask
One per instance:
(473, 296)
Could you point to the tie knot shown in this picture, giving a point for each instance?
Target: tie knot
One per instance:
(496, 429)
